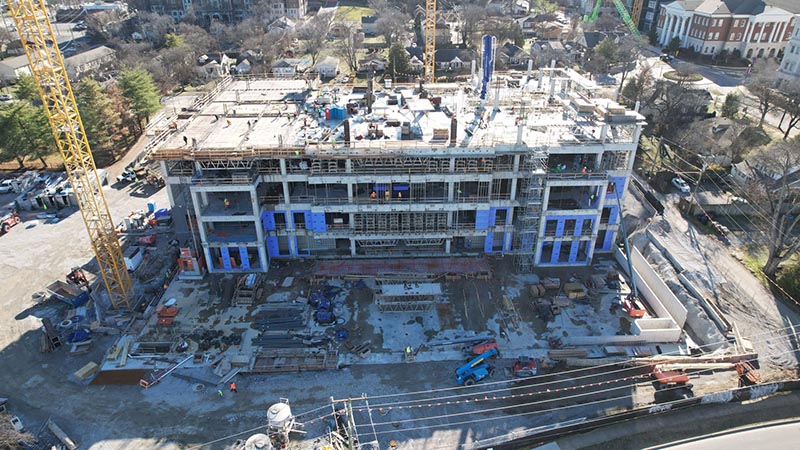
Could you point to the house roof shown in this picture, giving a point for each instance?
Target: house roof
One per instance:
(15, 62)
(449, 54)
(592, 38)
(509, 49)
(372, 57)
(327, 61)
(88, 56)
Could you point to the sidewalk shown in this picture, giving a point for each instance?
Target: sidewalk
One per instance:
(683, 424)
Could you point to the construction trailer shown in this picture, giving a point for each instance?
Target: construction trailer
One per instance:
(276, 168)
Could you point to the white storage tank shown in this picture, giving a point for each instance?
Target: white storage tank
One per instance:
(258, 442)
(279, 417)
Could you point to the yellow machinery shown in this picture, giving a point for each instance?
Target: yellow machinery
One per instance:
(430, 40)
(47, 68)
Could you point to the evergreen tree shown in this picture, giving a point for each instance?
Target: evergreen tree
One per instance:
(398, 61)
(140, 91)
(100, 120)
(25, 133)
(27, 89)
(731, 106)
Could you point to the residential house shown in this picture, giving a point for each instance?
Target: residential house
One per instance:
(282, 23)
(513, 55)
(289, 67)
(214, 66)
(754, 28)
(243, 67)
(369, 25)
(588, 40)
(327, 67)
(443, 34)
(543, 52)
(520, 7)
(88, 62)
(528, 25)
(12, 68)
(416, 64)
(542, 26)
(446, 58)
(790, 64)
(374, 61)
(747, 171)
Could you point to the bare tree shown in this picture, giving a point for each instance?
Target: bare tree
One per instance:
(638, 86)
(673, 104)
(155, 27)
(469, 19)
(628, 53)
(391, 24)
(196, 38)
(762, 85)
(314, 34)
(775, 191)
(789, 102)
(348, 47)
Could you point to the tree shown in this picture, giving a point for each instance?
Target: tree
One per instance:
(138, 88)
(155, 27)
(348, 47)
(673, 45)
(603, 56)
(27, 89)
(398, 60)
(196, 38)
(628, 52)
(314, 34)
(172, 40)
(128, 126)
(469, 18)
(25, 133)
(9, 436)
(100, 120)
(392, 24)
(762, 86)
(543, 7)
(673, 104)
(789, 102)
(637, 86)
(773, 189)
(731, 106)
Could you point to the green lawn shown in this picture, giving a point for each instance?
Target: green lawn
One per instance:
(352, 13)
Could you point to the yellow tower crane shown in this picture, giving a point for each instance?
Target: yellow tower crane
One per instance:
(47, 68)
(430, 40)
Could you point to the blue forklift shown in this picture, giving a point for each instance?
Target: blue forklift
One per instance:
(476, 369)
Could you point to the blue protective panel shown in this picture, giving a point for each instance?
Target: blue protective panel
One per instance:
(268, 220)
(560, 227)
(273, 250)
(578, 227)
(245, 258)
(556, 252)
(318, 222)
(613, 217)
(573, 252)
(380, 187)
(488, 243)
(619, 183)
(226, 258)
(609, 241)
(399, 187)
(482, 219)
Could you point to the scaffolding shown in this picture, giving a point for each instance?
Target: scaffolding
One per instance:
(534, 165)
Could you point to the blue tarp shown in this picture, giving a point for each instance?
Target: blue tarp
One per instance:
(163, 212)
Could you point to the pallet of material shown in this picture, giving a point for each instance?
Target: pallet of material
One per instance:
(86, 371)
(537, 290)
(551, 283)
(288, 361)
(574, 290)
(564, 353)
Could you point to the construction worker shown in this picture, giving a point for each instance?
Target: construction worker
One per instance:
(233, 387)
(386, 195)
(373, 195)
(227, 203)
(399, 195)
(408, 351)
(219, 392)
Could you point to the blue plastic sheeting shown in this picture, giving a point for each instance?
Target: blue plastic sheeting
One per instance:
(318, 222)
(380, 187)
(79, 335)
(399, 187)
(245, 258)
(163, 212)
(226, 258)
(482, 219)
(613, 217)
(78, 301)
(488, 243)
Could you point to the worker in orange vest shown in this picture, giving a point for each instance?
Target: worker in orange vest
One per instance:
(233, 387)
(373, 195)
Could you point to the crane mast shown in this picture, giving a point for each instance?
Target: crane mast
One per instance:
(48, 70)
(430, 40)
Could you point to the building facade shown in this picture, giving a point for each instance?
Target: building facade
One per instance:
(752, 27)
(227, 10)
(790, 64)
(277, 169)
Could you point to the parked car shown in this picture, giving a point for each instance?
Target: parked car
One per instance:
(666, 57)
(17, 424)
(681, 185)
(5, 187)
(6, 97)
(80, 26)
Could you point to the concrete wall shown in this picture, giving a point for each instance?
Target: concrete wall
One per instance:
(660, 298)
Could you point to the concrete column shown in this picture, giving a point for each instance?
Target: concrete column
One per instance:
(748, 33)
(292, 238)
(603, 132)
(450, 218)
(451, 189)
(262, 256)
(282, 163)
(254, 202)
(285, 191)
(774, 31)
(781, 32)
(514, 189)
(209, 261)
(682, 28)
(350, 192)
(665, 29)
(516, 163)
(452, 165)
(670, 26)
(348, 165)
(447, 244)
(352, 247)
(688, 31)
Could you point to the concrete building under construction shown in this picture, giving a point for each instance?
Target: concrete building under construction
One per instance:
(531, 167)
